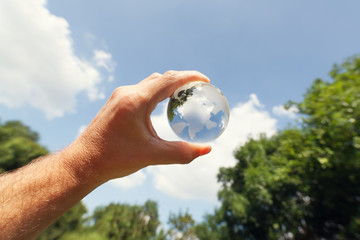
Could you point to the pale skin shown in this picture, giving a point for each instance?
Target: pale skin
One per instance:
(119, 141)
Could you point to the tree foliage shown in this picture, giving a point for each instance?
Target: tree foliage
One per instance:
(18, 146)
(114, 221)
(303, 183)
(181, 226)
(212, 228)
(123, 221)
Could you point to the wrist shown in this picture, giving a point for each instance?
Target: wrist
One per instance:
(81, 165)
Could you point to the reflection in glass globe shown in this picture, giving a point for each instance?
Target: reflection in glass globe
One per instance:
(198, 112)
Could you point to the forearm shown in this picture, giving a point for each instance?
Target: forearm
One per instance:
(32, 197)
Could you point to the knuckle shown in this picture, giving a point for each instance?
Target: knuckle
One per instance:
(155, 75)
(170, 74)
(121, 92)
(128, 98)
(117, 92)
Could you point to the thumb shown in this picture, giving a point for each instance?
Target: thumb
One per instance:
(177, 152)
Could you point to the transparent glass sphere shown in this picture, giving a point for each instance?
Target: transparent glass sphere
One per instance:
(198, 112)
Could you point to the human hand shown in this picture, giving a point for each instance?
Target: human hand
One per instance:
(121, 139)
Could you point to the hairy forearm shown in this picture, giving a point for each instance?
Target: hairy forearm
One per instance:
(32, 197)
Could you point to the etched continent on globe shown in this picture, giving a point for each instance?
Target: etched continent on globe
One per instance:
(198, 112)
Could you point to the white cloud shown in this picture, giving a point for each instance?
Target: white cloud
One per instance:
(104, 60)
(281, 111)
(38, 66)
(130, 181)
(198, 180)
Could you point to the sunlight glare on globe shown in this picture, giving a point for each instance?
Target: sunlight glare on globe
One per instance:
(198, 112)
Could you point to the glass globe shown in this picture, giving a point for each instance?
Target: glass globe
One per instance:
(198, 112)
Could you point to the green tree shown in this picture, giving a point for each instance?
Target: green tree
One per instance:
(182, 226)
(332, 122)
(262, 196)
(212, 228)
(123, 221)
(82, 235)
(18, 146)
(303, 183)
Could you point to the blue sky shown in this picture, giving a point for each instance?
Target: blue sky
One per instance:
(61, 60)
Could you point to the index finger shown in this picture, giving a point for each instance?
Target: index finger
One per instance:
(162, 87)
